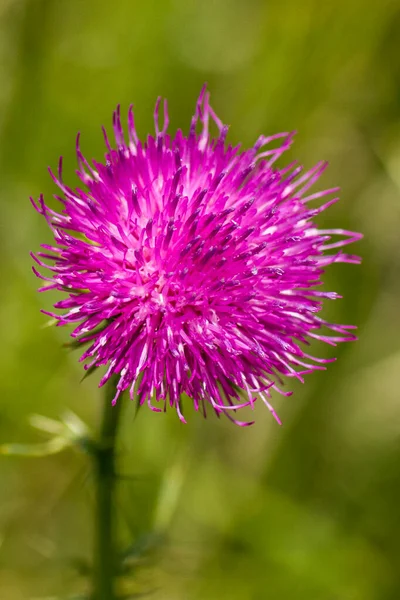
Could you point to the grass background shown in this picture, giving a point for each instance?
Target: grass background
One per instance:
(306, 511)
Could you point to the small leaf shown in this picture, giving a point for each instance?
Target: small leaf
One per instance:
(53, 446)
(45, 424)
(75, 425)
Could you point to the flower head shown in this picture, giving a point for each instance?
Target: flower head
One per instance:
(192, 266)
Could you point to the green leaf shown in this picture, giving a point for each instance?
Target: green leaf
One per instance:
(45, 424)
(53, 446)
(74, 425)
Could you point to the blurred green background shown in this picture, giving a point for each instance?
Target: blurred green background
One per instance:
(306, 511)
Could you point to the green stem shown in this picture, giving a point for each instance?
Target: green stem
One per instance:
(105, 546)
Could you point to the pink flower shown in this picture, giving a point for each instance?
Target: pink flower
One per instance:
(194, 266)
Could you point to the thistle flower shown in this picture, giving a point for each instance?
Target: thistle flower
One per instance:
(192, 266)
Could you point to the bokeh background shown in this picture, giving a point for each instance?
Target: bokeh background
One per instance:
(209, 511)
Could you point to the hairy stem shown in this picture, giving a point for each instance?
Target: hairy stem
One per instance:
(105, 545)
